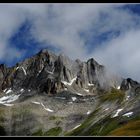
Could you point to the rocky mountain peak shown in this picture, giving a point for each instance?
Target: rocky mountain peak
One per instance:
(50, 73)
(130, 86)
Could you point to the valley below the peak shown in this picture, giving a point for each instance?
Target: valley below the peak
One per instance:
(50, 95)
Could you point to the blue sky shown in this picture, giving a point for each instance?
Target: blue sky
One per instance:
(22, 40)
(107, 32)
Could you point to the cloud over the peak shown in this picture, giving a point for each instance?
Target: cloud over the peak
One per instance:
(107, 32)
(122, 54)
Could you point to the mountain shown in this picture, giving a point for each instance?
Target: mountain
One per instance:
(51, 74)
(51, 94)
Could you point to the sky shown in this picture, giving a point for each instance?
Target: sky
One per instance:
(109, 33)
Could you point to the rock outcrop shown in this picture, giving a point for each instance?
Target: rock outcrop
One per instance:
(131, 86)
(51, 74)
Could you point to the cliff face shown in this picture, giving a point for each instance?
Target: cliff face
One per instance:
(49, 73)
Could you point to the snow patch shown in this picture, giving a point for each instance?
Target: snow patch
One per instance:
(9, 99)
(90, 84)
(8, 104)
(73, 80)
(106, 109)
(24, 70)
(87, 90)
(4, 98)
(79, 94)
(35, 102)
(70, 102)
(49, 110)
(8, 91)
(4, 90)
(65, 89)
(73, 98)
(46, 108)
(118, 87)
(17, 68)
(88, 112)
(69, 83)
(128, 114)
(22, 90)
(127, 97)
(39, 71)
(118, 111)
(76, 126)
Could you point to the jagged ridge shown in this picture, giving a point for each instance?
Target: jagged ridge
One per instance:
(47, 72)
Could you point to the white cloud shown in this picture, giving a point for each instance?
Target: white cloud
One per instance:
(10, 21)
(122, 54)
(61, 24)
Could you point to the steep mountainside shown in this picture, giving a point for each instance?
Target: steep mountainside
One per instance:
(51, 74)
(53, 95)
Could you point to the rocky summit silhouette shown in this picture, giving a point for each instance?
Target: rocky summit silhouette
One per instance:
(49, 73)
